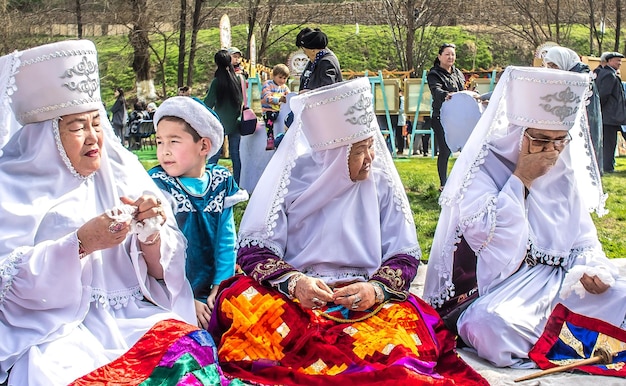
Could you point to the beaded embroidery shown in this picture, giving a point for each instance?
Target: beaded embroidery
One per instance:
(268, 268)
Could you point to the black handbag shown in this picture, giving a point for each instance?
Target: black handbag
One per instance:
(248, 122)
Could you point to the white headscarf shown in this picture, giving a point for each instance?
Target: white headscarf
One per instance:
(524, 97)
(563, 57)
(308, 211)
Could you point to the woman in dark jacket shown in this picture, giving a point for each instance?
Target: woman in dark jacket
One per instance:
(225, 97)
(444, 79)
(119, 113)
(323, 67)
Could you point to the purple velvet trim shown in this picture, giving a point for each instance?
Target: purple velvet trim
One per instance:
(407, 264)
(262, 264)
(426, 368)
(184, 345)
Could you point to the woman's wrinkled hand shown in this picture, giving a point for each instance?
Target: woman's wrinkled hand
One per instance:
(203, 314)
(147, 206)
(532, 165)
(593, 284)
(102, 232)
(312, 292)
(356, 296)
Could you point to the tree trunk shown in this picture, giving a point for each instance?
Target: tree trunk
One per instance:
(253, 12)
(195, 27)
(182, 42)
(79, 20)
(139, 41)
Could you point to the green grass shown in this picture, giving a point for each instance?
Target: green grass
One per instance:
(419, 175)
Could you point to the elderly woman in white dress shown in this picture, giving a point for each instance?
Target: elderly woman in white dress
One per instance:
(515, 236)
(329, 246)
(79, 284)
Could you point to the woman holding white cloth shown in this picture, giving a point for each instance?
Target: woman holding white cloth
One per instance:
(79, 282)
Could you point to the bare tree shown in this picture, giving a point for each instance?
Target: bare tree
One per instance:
(414, 22)
(595, 34)
(198, 19)
(161, 56)
(140, 42)
(539, 21)
(253, 8)
(260, 15)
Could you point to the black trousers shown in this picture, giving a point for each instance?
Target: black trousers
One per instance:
(444, 150)
(609, 143)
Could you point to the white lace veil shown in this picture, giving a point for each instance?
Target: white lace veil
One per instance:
(311, 180)
(516, 104)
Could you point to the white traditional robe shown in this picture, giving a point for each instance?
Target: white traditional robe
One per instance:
(60, 316)
(524, 246)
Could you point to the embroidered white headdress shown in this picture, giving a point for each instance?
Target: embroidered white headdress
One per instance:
(48, 81)
(351, 107)
(67, 71)
(548, 101)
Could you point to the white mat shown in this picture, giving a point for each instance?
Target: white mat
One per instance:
(505, 376)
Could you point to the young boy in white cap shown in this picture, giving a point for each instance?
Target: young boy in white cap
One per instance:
(202, 196)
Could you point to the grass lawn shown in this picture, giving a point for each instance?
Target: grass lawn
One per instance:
(419, 175)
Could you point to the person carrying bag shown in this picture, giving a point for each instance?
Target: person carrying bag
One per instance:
(248, 122)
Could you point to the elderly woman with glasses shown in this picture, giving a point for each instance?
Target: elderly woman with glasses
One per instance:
(444, 79)
(515, 236)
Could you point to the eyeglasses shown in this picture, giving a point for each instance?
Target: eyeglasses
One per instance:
(543, 142)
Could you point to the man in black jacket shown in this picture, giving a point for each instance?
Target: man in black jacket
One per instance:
(613, 104)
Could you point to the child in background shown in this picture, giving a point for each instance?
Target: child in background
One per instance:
(272, 95)
(202, 196)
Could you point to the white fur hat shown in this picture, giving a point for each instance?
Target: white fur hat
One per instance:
(336, 115)
(56, 79)
(193, 111)
(545, 98)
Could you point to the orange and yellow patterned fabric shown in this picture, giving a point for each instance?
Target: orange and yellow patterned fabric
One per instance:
(265, 338)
